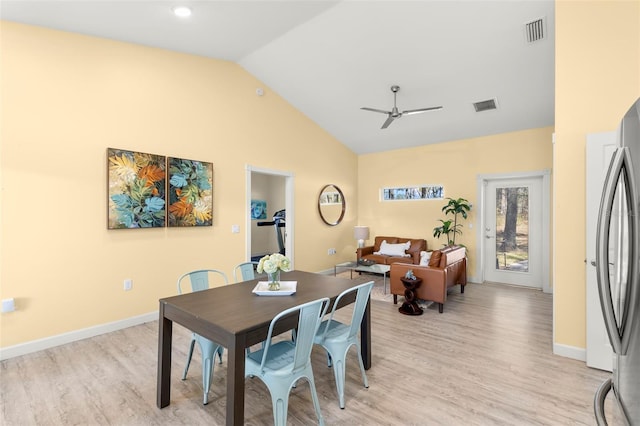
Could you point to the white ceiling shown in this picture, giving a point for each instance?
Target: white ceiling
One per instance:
(330, 58)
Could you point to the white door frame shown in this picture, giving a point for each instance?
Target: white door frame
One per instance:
(600, 147)
(482, 181)
(288, 205)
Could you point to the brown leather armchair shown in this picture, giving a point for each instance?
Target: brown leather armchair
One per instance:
(447, 267)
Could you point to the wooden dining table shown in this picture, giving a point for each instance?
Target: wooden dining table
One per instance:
(236, 318)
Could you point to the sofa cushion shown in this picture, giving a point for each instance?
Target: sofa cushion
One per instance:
(394, 249)
(434, 261)
(424, 258)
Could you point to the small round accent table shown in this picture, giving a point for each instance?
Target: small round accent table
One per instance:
(410, 306)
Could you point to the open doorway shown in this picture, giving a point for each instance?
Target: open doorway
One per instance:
(270, 215)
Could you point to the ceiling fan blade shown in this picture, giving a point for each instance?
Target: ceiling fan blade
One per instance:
(375, 110)
(419, 110)
(387, 122)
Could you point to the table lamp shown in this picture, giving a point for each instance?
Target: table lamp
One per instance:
(361, 233)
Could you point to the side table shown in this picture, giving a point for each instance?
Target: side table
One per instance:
(410, 306)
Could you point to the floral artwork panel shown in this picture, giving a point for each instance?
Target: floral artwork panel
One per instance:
(190, 193)
(258, 209)
(136, 189)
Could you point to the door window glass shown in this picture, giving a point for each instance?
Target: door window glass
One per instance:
(512, 229)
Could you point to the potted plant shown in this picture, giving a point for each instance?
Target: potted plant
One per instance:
(451, 227)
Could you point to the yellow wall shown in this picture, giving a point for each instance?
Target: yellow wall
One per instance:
(597, 80)
(66, 98)
(455, 165)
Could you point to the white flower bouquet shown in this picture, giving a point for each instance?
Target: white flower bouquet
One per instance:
(272, 264)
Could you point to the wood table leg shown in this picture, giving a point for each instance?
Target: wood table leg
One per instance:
(165, 334)
(235, 382)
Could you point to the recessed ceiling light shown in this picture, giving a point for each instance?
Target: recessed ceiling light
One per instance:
(182, 11)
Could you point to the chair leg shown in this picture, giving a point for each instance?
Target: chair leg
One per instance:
(314, 398)
(280, 406)
(207, 371)
(189, 355)
(339, 373)
(364, 374)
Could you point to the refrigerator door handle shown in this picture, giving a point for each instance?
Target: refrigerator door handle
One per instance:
(602, 249)
(598, 402)
(632, 303)
(621, 168)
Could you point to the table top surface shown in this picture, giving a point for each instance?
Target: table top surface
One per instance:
(234, 309)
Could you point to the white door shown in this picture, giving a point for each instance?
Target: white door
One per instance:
(513, 231)
(600, 148)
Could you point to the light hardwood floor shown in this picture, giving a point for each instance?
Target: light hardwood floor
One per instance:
(487, 360)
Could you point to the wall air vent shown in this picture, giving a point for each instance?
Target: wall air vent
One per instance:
(535, 30)
(485, 105)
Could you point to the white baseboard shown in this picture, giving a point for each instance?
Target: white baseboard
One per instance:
(572, 352)
(73, 336)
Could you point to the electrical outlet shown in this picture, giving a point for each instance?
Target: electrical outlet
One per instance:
(128, 284)
(331, 251)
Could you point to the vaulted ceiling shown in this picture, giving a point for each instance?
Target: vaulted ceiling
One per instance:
(330, 58)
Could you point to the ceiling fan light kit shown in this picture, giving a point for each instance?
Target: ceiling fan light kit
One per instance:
(395, 113)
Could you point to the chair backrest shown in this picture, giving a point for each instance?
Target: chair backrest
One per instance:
(245, 271)
(362, 297)
(309, 317)
(199, 279)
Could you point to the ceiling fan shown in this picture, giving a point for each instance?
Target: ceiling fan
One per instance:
(394, 113)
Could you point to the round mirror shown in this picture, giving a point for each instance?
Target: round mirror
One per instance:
(331, 205)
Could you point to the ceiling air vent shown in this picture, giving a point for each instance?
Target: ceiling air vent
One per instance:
(535, 30)
(485, 105)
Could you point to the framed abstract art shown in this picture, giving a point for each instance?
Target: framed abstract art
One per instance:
(258, 209)
(190, 193)
(136, 189)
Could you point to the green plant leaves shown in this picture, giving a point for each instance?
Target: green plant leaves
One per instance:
(451, 227)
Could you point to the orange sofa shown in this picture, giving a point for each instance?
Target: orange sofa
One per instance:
(409, 255)
(447, 268)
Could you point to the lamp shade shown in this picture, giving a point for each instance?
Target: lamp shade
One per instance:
(361, 233)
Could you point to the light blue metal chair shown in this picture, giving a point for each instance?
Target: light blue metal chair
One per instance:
(199, 281)
(280, 365)
(336, 338)
(245, 271)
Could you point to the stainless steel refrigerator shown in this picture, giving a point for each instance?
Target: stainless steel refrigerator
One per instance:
(618, 270)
